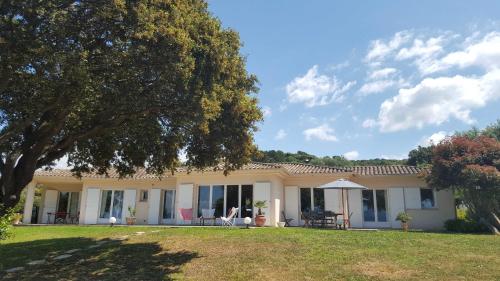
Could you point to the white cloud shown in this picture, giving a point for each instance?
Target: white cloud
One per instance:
(436, 100)
(340, 66)
(382, 73)
(281, 134)
(484, 53)
(433, 139)
(376, 86)
(314, 89)
(266, 111)
(394, 156)
(351, 155)
(425, 53)
(380, 49)
(322, 132)
(369, 123)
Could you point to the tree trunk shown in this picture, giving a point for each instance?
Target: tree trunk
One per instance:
(13, 181)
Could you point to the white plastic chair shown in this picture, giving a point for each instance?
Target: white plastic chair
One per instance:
(229, 220)
(207, 213)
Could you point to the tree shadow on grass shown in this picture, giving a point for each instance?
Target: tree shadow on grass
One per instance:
(113, 260)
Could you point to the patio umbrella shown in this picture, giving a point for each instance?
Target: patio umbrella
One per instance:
(342, 184)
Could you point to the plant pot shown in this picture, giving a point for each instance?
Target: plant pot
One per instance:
(16, 221)
(405, 226)
(260, 220)
(130, 221)
(281, 224)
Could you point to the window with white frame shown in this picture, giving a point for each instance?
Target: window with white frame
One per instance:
(312, 199)
(224, 197)
(427, 198)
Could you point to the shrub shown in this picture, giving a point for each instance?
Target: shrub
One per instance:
(6, 224)
(403, 217)
(465, 226)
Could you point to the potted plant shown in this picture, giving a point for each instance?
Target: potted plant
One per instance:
(260, 219)
(404, 218)
(16, 218)
(131, 218)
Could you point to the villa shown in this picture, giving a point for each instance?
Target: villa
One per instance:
(288, 188)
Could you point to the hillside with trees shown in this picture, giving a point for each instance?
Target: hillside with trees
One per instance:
(278, 156)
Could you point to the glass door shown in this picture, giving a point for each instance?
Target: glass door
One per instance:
(111, 205)
(375, 208)
(169, 206)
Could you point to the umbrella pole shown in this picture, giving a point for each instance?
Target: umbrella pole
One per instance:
(343, 209)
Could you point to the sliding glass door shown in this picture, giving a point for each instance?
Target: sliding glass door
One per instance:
(224, 197)
(69, 202)
(312, 199)
(111, 205)
(375, 208)
(169, 206)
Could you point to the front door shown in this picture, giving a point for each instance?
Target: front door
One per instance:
(168, 216)
(375, 208)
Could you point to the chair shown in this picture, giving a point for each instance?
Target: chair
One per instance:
(186, 214)
(229, 220)
(287, 221)
(207, 214)
(306, 218)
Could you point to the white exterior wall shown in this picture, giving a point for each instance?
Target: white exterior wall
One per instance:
(292, 204)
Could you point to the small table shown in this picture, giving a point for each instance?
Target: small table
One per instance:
(202, 220)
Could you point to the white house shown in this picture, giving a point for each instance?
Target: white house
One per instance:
(288, 188)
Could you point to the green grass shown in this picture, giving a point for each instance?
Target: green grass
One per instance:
(254, 254)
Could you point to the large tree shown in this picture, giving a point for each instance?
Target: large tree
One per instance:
(470, 164)
(121, 84)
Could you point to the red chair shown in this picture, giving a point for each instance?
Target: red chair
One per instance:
(186, 214)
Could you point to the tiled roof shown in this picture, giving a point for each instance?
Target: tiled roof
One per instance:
(386, 170)
(298, 168)
(142, 174)
(290, 168)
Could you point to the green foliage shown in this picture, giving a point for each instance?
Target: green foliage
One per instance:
(420, 156)
(471, 165)
(403, 217)
(120, 84)
(6, 222)
(260, 205)
(132, 211)
(465, 226)
(278, 156)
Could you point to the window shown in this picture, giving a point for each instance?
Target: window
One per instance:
(374, 205)
(224, 197)
(218, 200)
(246, 201)
(427, 198)
(169, 204)
(231, 197)
(203, 198)
(312, 199)
(143, 196)
(111, 204)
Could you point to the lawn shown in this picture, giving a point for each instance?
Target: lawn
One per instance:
(253, 254)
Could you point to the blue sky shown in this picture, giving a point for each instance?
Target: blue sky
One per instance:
(368, 79)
